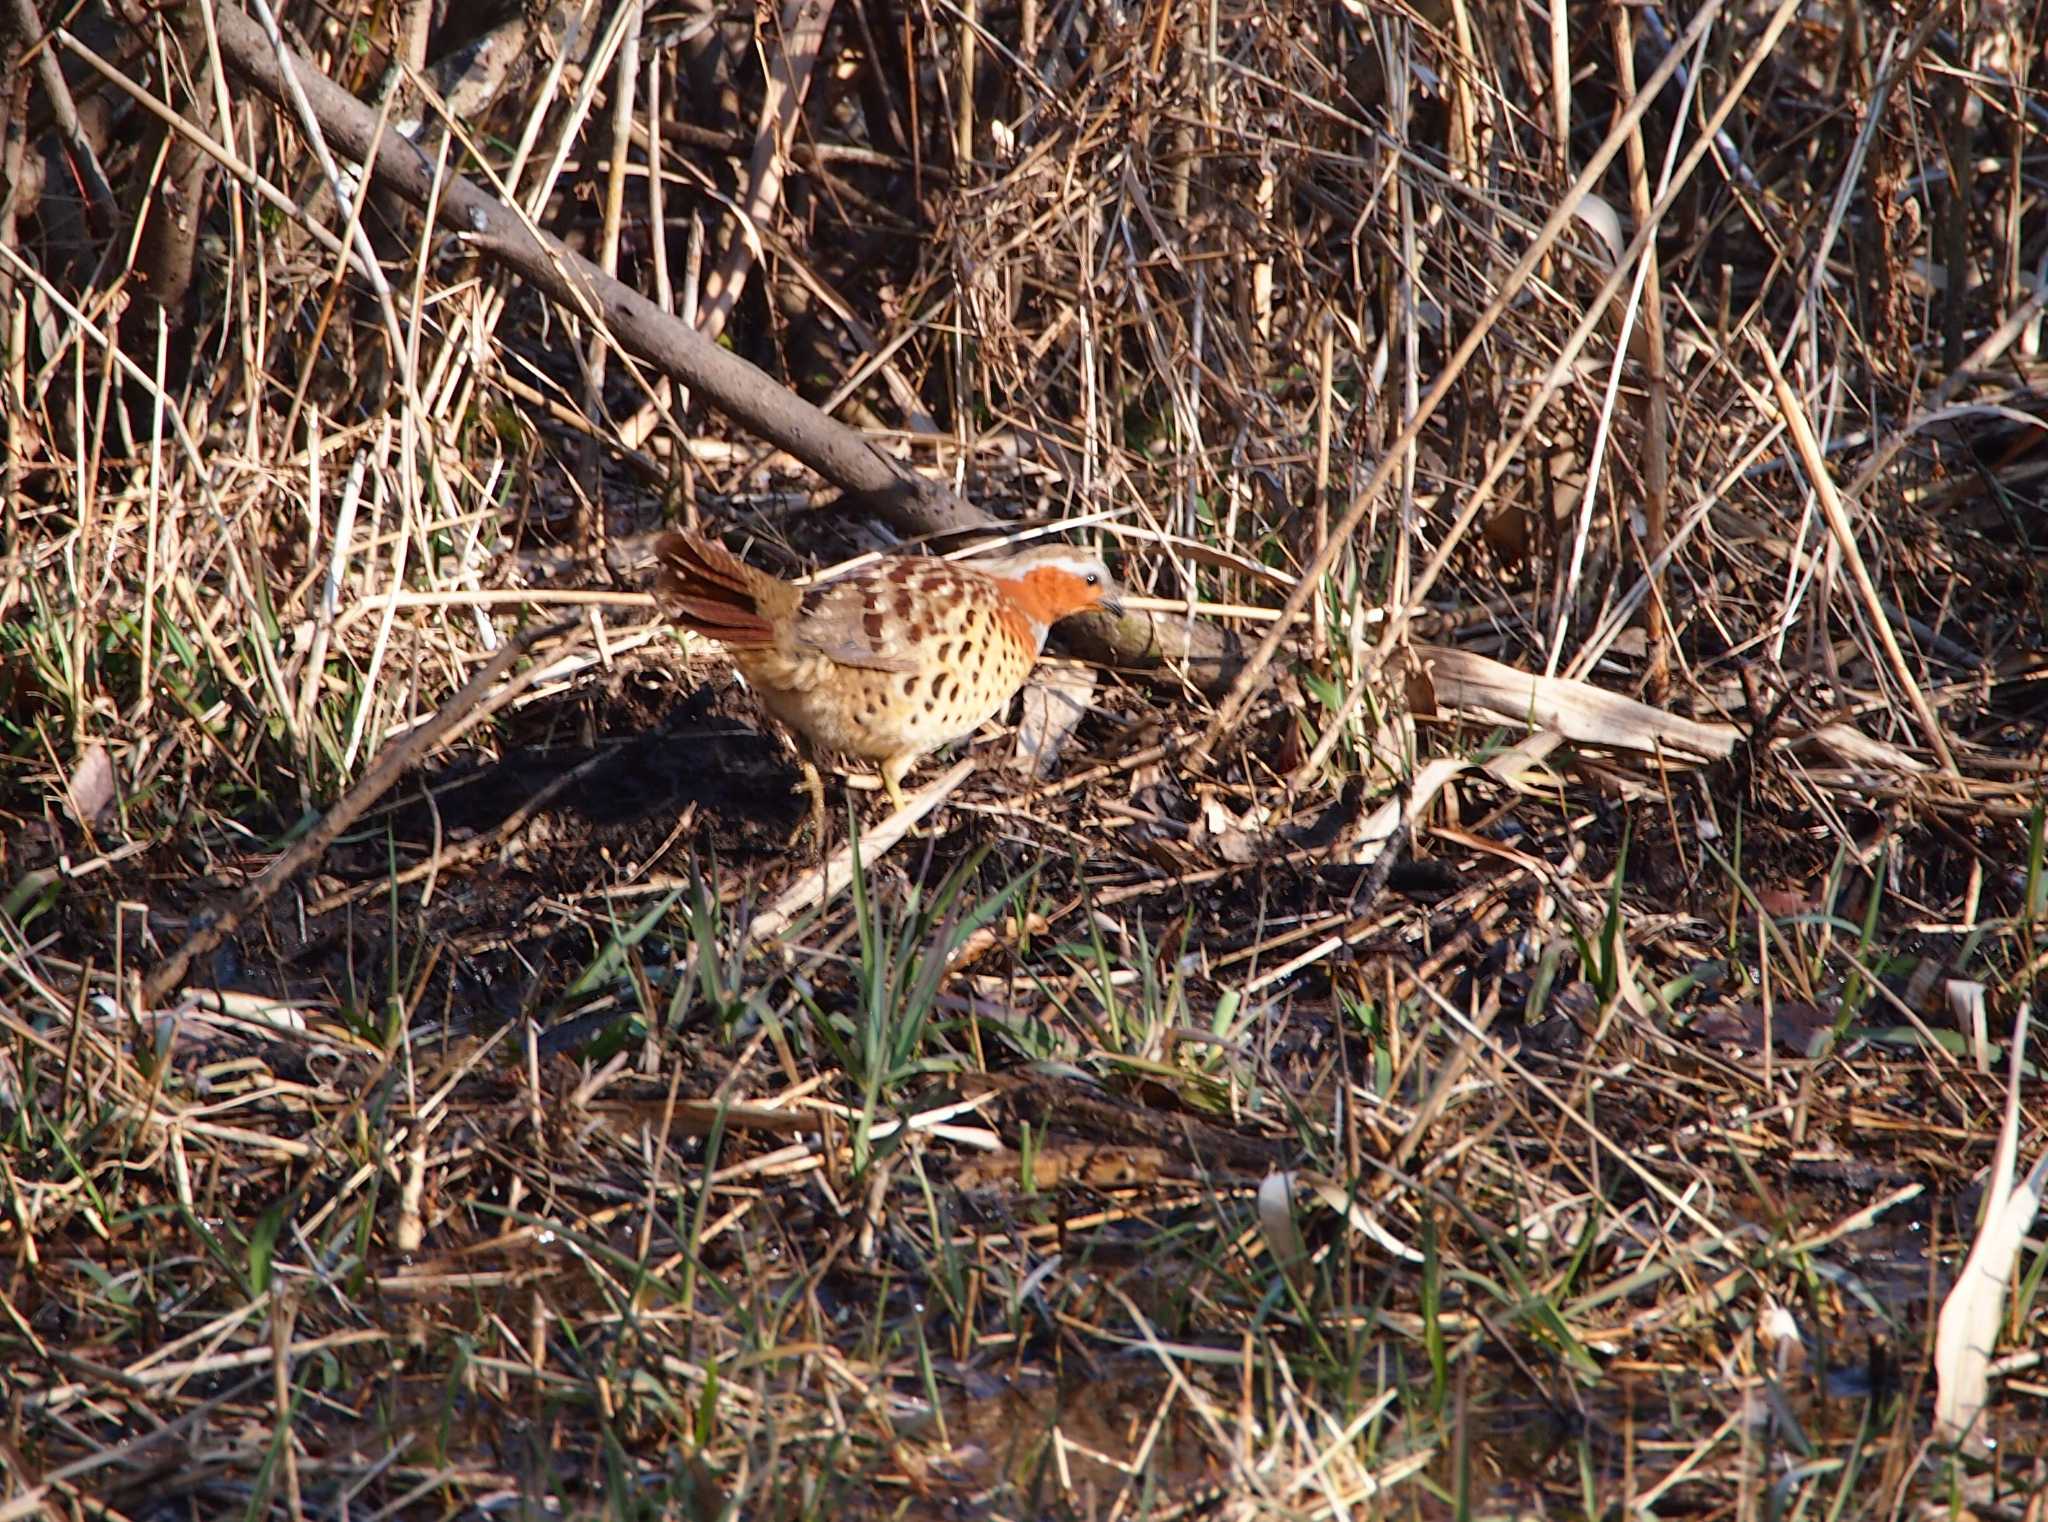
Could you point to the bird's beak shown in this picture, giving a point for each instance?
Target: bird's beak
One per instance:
(1113, 605)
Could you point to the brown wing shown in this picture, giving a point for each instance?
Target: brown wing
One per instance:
(854, 622)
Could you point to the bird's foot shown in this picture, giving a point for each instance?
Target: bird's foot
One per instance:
(812, 785)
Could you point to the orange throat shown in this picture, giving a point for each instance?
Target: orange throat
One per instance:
(1047, 594)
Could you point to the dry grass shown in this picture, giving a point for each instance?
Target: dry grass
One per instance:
(1178, 1133)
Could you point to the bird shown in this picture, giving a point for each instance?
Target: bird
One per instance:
(888, 662)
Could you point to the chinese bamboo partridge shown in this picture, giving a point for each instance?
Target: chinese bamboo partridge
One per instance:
(888, 663)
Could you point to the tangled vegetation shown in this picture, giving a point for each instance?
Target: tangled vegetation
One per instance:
(1489, 991)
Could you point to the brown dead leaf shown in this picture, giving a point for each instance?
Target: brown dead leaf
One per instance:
(90, 787)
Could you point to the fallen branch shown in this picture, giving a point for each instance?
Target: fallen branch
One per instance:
(815, 889)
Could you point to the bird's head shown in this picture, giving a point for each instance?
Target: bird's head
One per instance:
(1051, 582)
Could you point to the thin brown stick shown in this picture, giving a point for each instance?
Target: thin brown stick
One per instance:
(1794, 413)
(1656, 385)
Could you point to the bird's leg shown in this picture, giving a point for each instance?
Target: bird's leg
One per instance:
(892, 777)
(814, 784)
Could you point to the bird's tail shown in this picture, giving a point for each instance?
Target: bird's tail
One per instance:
(711, 591)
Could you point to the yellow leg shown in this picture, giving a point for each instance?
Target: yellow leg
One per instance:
(892, 778)
(814, 785)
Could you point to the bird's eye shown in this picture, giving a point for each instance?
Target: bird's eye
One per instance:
(1093, 580)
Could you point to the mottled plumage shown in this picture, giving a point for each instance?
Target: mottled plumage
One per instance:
(890, 662)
